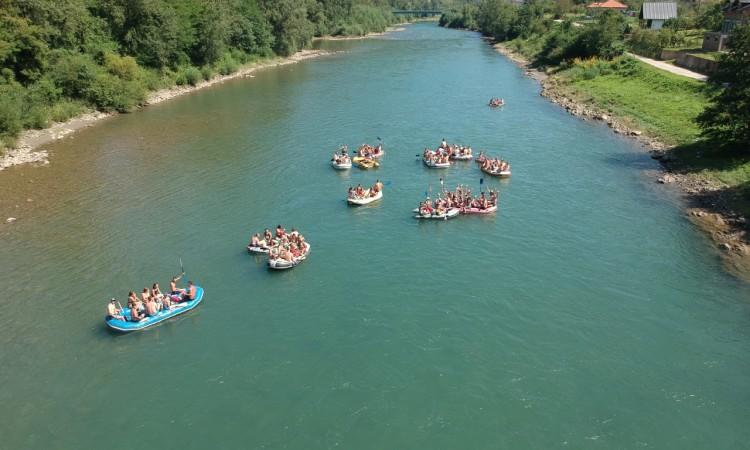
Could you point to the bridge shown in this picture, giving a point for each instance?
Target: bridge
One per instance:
(417, 12)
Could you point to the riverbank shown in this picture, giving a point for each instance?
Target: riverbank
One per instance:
(27, 149)
(717, 208)
(400, 27)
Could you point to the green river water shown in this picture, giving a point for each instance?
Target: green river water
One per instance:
(588, 313)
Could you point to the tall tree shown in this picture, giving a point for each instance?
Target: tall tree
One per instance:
(727, 119)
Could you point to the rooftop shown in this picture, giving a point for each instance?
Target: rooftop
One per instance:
(658, 10)
(608, 4)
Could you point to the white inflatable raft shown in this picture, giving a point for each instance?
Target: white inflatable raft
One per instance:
(366, 199)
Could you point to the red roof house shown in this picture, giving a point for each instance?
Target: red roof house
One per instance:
(613, 5)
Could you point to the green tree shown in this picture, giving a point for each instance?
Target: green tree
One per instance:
(727, 119)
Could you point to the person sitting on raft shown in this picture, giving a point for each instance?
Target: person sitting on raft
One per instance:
(113, 312)
(190, 293)
(173, 289)
(267, 236)
(162, 300)
(280, 232)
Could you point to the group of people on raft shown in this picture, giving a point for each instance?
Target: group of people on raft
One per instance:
(454, 150)
(281, 245)
(370, 152)
(151, 301)
(495, 102)
(342, 156)
(493, 165)
(461, 199)
(360, 192)
(435, 156)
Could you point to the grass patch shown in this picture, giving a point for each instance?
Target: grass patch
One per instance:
(660, 103)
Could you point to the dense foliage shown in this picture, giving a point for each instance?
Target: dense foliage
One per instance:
(58, 57)
(727, 119)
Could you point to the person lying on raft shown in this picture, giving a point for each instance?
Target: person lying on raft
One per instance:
(256, 241)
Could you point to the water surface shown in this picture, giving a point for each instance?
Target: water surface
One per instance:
(587, 314)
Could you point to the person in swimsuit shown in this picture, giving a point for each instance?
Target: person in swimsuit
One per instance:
(135, 315)
(173, 289)
(279, 231)
(191, 292)
(113, 312)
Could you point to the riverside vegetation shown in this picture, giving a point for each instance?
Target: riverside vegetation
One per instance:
(60, 58)
(700, 131)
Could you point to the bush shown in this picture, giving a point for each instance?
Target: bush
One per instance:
(10, 110)
(193, 76)
(207, 72)
(110, 93)
(124, 67)
(64, 110)
(227, 65)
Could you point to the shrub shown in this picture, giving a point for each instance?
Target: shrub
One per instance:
(110, 93)
(124, 67)
(227, 65)
(10, 109)
(193, 76)
(64, 110)
(207, 72)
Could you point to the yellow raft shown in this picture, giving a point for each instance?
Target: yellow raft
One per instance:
(365, 163)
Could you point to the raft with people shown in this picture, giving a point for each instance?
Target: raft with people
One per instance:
(283, 261)
(285, 250)
(496, 167)
(369, 151)
(365, 163)
(152, 307)
(435, 159)
(341, 159)
(428, 213)
(360, 196)
(496, 102)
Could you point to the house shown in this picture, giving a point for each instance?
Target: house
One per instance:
(736, 12)
(607, 5)
(654, 14)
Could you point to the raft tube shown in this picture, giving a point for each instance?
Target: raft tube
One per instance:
(283, 264)
(489, 210)
(342, 166)
(451, 213)
(434, 165)
(254, 249)
(161, 316)
(359, 201)
(365, 163)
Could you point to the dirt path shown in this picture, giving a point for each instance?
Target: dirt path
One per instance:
(670, 68)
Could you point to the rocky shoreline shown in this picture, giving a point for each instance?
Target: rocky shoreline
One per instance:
(26, 149)
(706, 205)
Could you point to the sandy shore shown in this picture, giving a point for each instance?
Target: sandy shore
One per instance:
(28, 143)
(704, 202)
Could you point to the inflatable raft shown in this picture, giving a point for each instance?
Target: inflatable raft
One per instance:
(462, 157)
(366, 199)
(161, 316)
(435, 165)
(489, 210)
(365, 163)
(256, 249)
(449, 214)
(341, 166)
(497, 173)
(283, 264)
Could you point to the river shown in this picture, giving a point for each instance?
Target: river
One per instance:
(588, 313)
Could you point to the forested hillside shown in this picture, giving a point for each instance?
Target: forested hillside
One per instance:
(60, 57)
